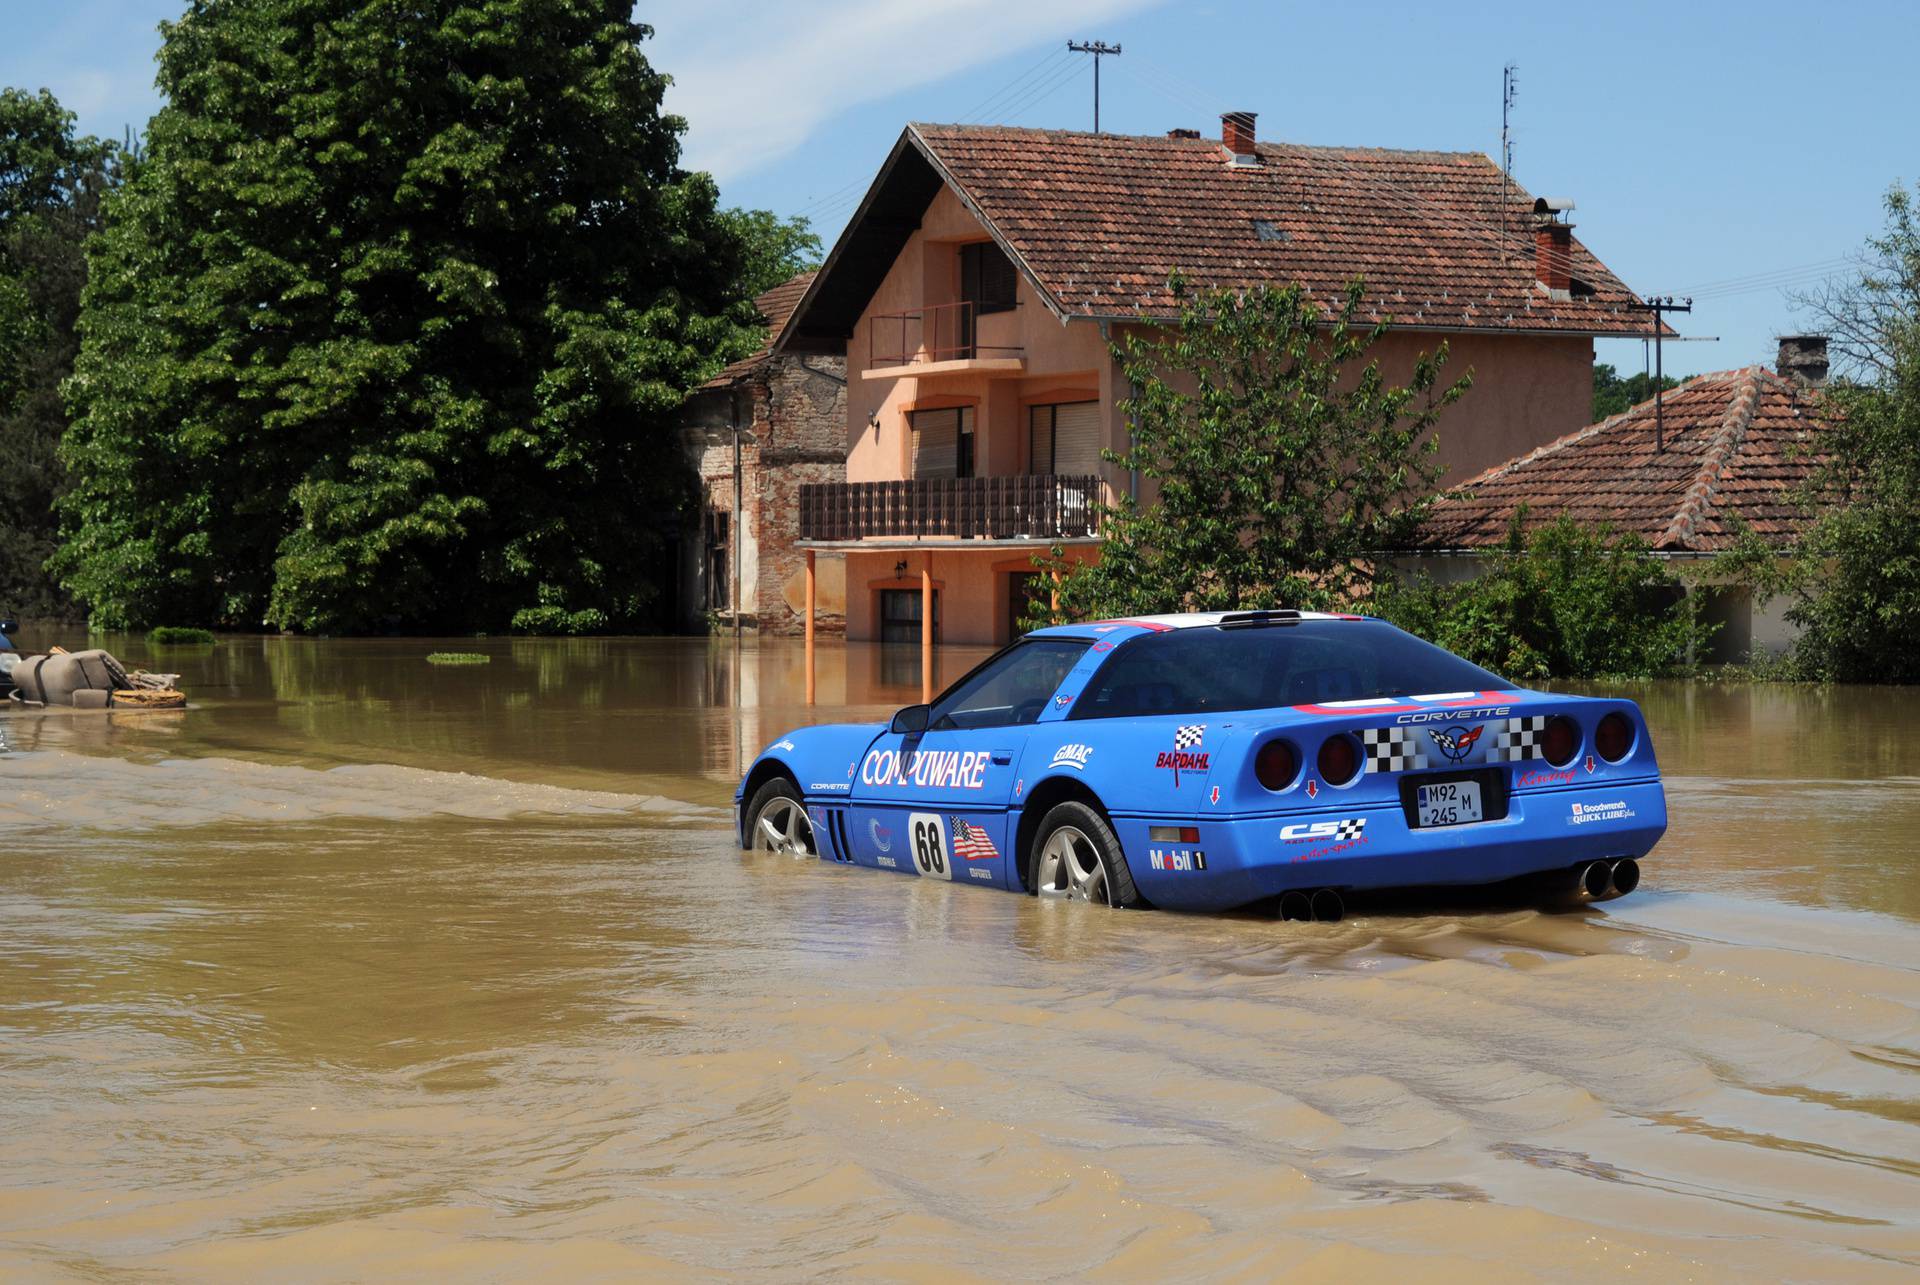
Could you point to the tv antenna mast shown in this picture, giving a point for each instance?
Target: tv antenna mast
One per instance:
(1509, 85)
(1099, 49)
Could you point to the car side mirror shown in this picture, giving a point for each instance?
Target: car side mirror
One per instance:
(911, 719)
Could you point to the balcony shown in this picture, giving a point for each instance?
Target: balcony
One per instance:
(937, 339)
(963, 508)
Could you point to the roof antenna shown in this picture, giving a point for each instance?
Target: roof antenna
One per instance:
(1099, 49)
(1509, 87)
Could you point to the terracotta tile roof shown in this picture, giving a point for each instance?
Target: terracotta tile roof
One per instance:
(1736, 445)
(776, 305)
(1100, 221)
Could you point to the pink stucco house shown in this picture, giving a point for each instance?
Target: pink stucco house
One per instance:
(975, 291)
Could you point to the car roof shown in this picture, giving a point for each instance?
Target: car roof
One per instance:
(1182, 620)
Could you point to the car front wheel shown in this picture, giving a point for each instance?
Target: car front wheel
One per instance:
(1077, 857)
(780, 821)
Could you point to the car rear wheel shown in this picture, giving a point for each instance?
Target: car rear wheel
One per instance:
(780, 821)
(1077, 858)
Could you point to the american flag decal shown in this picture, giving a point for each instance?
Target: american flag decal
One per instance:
(971, 842)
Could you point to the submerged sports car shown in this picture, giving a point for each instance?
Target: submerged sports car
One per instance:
(1202, 762)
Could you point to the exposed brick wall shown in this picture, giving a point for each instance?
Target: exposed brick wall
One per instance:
(798, 435)
(800, 419)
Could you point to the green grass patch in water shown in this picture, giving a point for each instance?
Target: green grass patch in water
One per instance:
(457, 658)
(179, 634)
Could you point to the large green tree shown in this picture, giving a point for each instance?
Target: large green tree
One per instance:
(1853, 582)
(390, 328)
(51, 185)
(1613, 394)
(1276, 458)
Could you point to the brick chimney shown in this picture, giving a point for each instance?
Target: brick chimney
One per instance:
(1236, 132)
(1803, 358)
(1553, 258)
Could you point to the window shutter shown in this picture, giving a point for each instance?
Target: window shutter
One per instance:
(936, 440)
(1076, 439)
(1040, 440)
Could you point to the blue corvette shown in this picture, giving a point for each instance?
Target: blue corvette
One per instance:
(1201, 762)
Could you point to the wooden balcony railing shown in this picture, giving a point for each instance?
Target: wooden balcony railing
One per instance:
(970, 508)
(937, 332)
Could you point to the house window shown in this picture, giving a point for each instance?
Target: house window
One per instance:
(986, 278)
(1064, 439)
(943, 442)
(900, 615)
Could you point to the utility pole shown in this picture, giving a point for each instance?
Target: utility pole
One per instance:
(1509, 83)
(1657, 307)
(1099, 49)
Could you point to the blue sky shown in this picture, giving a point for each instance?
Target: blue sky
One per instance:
(1705, 144)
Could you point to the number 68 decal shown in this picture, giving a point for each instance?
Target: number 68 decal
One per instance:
(932, 857)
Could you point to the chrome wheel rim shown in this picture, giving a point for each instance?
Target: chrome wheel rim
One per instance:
(1070, 868)
(782, 826)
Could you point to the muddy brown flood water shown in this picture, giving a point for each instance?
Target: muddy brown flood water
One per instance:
(364, 968)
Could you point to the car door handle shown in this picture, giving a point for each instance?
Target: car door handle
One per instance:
(1002, 756)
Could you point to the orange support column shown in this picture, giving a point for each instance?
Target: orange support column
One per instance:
(1054, 619)
(810, 608)
(926, 630)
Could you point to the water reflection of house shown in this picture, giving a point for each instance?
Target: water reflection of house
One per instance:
(977, 287)
(1725, 450)
(791, 413)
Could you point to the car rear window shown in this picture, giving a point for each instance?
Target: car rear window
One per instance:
(1201, 670)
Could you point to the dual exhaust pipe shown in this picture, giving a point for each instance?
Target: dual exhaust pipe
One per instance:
(1323, 904)
(1605, 880)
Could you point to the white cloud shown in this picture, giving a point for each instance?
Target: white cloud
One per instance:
(756, 78)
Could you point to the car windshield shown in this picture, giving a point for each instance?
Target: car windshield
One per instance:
(1200, 670)
(1012, 687)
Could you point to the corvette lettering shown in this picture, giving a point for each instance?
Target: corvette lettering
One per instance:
(927, 769)
(1455, 715)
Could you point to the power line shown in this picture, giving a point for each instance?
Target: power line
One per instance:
(992, 102)
(1041, 92)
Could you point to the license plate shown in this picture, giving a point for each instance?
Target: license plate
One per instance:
(1448, 803)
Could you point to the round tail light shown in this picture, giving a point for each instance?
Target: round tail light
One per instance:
(1339, 761)
(1614, 737)
(1275, 765)
(1561, 740)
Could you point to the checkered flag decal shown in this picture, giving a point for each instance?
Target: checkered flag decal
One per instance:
(1188, 737)
(1392, 749)
(1350, 829)
(1519, 738)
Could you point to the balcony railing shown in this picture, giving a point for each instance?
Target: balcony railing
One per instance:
(970, 508)
(938, 332)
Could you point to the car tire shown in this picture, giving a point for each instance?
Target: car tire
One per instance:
(1076, 856)
(777, 821)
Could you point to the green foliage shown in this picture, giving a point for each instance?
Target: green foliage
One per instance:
(178, 634)
(457, 658)
(1275, 457)
(51, 184)
(1612, 394)
(1854, 577)
(392, 325)
(1563, 601)
(777, 249)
